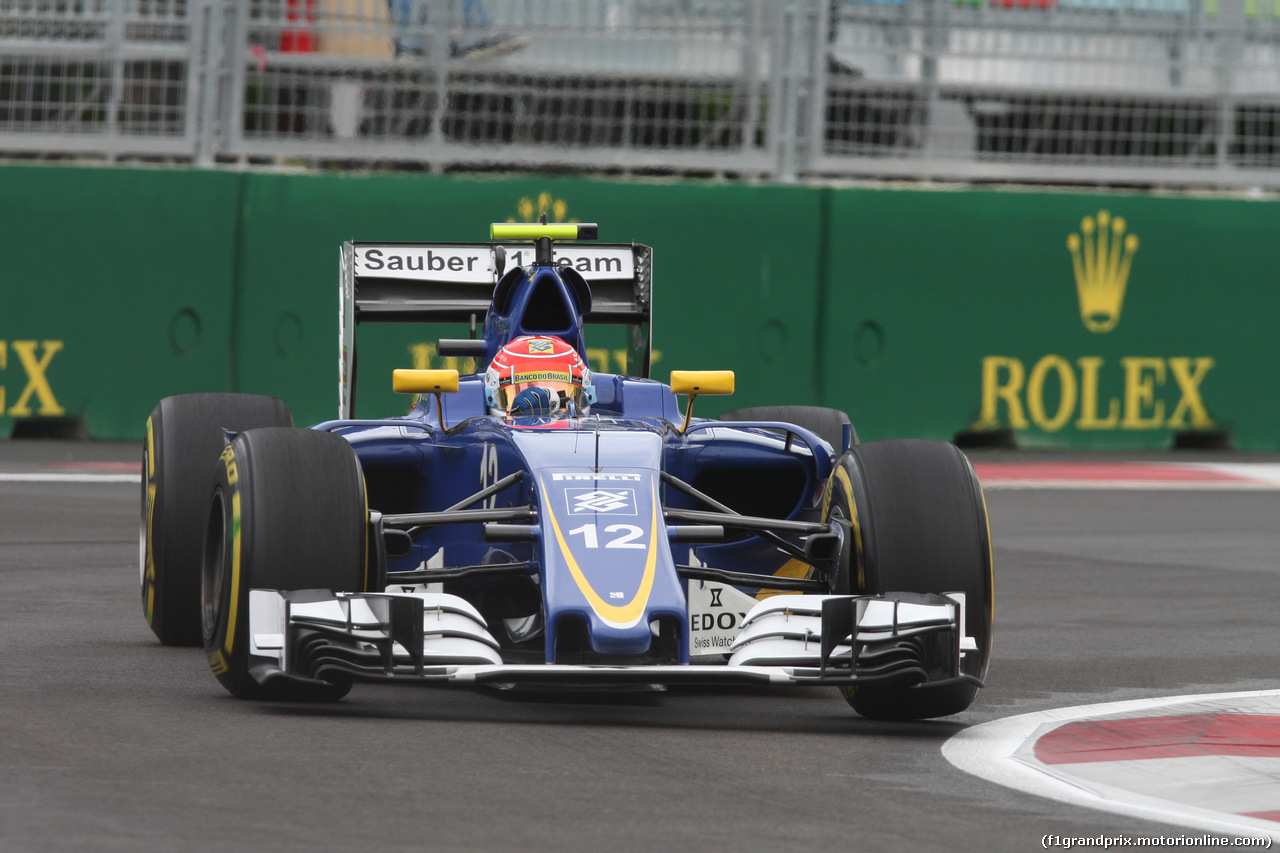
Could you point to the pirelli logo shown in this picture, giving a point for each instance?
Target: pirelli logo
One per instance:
(624, 477)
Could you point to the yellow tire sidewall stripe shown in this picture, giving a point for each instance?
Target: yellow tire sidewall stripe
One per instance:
(149, 569)
(841, 475)
(233, 480)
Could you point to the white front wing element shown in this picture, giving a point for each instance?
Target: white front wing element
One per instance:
(780, 641)
(453, 631)
(786, 630)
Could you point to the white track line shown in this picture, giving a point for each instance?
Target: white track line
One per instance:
(1254, 476)
(988, 750)
(1133, 485)
(1265, 471)
(70, 478)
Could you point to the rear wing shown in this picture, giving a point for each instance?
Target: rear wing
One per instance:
(454, 283)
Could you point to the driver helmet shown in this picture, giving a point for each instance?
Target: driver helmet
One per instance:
(538, 375)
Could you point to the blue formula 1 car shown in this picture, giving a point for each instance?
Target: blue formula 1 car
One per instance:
(538, 525)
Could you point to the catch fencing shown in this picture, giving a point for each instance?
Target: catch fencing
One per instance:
(1122, 92)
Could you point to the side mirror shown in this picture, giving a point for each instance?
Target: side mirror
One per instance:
(695, 382)
(405, 381)
(436, 382)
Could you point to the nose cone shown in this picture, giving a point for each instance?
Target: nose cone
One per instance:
(606, 558)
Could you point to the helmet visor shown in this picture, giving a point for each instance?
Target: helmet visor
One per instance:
(565, 391)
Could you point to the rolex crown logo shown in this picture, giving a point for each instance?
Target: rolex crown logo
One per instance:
(531, 210)
(1101, 255)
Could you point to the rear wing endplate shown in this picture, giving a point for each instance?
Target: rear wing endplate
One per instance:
(454, 283)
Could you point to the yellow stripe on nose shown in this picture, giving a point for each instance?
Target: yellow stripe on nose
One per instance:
(619, 616)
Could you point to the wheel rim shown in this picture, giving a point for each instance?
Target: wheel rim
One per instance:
(844, 565)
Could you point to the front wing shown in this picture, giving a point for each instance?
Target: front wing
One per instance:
(903, 639)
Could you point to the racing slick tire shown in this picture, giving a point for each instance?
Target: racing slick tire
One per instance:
(288, 512)
(184, 436)
(922, 525)
(828, 424)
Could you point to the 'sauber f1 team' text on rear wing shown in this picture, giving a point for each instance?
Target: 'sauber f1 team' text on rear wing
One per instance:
(455, 283)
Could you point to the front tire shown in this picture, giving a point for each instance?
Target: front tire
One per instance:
(921, 524)
(288, 513)
(185, 434)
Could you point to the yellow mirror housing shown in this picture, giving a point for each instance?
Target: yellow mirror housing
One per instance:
(404, 381)
(695, 382)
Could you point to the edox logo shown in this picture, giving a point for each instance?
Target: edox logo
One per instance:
(601, 501)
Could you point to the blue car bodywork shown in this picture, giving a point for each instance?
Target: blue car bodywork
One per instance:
(601, 555)
(627, 544)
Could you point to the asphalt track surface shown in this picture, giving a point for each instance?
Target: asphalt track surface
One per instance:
(114, 742)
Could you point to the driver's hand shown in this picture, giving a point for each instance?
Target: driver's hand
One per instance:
(535, 401)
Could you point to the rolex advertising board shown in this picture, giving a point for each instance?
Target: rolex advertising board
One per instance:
(1075, 320)
(1084, 320)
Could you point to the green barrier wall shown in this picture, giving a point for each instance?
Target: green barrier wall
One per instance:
(922, 313)
(950, 311)
(116, 291)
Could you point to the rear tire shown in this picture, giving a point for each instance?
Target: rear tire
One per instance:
(288, 513)
(185, 434)
(827, 423)
(922, 521)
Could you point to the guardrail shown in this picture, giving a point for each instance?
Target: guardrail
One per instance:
(1119, 92)
(1134, 92)
(570, 83)
(106, 77)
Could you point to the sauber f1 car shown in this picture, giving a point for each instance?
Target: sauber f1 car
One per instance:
(582, 532)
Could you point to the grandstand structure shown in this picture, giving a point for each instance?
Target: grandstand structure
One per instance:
(1170, 93)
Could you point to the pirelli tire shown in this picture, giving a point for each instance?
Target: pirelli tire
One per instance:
(288, 513)
(920, 524)
(827, 423)
(184, 436)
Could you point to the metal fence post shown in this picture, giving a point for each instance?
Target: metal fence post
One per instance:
(1230, 27)
(197, 27)
(438, 55)
(935, 43)
(778, 97)
(801, 39)
(113, 53)
(788, 102)
(206, 62)
(231, 41)
(752, 52)
(824, 35)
